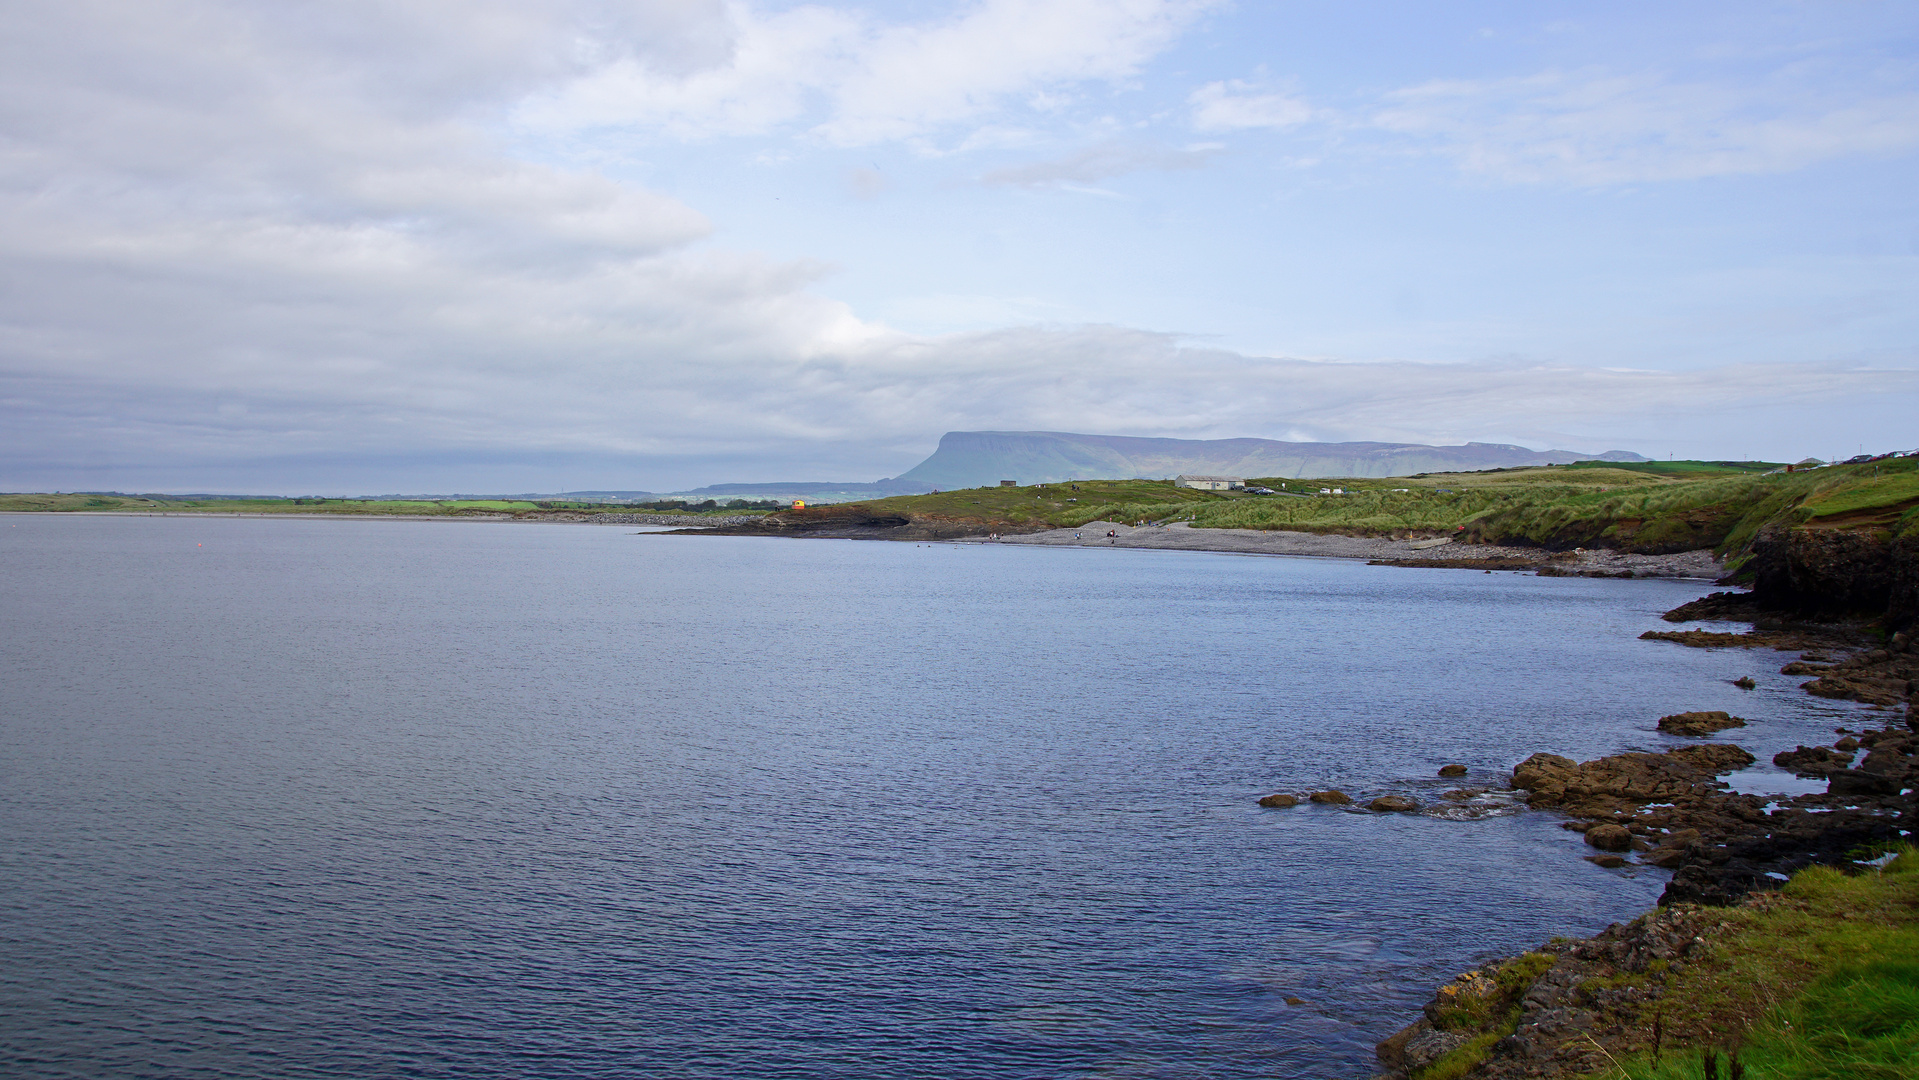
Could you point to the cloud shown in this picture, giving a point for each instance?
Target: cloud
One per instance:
(1236, 106)
(1595, 127)
(1098, 163)
(854, 82)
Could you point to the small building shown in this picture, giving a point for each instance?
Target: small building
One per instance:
(1210, 483)
(1009, 483)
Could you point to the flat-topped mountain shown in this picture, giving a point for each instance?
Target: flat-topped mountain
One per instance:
(978, 458)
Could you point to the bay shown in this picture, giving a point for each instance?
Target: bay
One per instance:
(286, 798)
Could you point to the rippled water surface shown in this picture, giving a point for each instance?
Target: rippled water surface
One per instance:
(317, 798)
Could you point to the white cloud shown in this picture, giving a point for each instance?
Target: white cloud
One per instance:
(855, 82)
(1594, 127)
(1235, 106)
(1097, 163)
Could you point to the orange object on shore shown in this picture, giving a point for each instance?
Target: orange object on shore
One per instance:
(799, 504)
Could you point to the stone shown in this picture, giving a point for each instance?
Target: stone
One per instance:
(1609, 837)
(1280, 801)
(1452, 770)
(1745, 682)
(1713, 758)
(1294, 1001)
(1846, 745)
(1812, 760)
(1335, 798)
(1429, 1046)
(1609, 862)
(1392, 804)
(1861, 783)
(1699, 723)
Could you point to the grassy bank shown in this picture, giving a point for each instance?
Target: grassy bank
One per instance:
(1820, 980)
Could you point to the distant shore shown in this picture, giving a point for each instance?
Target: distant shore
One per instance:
(1179, 536)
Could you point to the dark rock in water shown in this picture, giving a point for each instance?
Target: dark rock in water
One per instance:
(1463, 794)
(1392, 804)
(1609, 862)
(1609, 837)
(1336, 798)
(1452, 770)
(1714, 758)
(1597, 788)
(1846, 745)
(1280, 801)
(1812, 760)
(1699, 723)
(1294, 1001)
(1744, 682)
(1862, 783)
(1719, 607)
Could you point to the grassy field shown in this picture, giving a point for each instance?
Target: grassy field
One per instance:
(83, 501)
(1649, 507)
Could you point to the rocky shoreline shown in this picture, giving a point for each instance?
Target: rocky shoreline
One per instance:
(1410, 549)
(1570, 1007)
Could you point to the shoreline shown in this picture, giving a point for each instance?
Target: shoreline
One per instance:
(530, 517)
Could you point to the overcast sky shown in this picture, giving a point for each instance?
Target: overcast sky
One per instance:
(492, 245)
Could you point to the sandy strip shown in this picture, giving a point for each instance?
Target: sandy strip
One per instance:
(1180, 536)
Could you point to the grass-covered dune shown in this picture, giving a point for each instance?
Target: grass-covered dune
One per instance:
(1650, 507)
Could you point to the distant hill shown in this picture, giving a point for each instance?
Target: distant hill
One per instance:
(979, 458)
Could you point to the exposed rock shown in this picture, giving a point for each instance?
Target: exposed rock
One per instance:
(1812, 760)
(1392, 804)
(1607, 862)
(1609, 837)
(1745, 682)
(1719, 607)
(1336, 798)
(1280, 801)
(1452, 770)
(1699, 723)
(1599, 788)
(1463, 794)
(1713, 758)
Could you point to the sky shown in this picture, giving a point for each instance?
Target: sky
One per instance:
(494, 245)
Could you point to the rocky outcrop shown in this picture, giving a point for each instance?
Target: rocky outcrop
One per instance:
(1618, 783)
(1334, 798)
(1559, 1010)
(1392, 804)
(1279, 801)
(1824, 570)
(1699, 723)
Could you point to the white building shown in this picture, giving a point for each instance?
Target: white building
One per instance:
(1210, 483)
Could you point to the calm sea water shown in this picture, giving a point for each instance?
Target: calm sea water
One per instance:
(314, 798)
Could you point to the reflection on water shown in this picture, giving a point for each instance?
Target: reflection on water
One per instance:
(308, 798)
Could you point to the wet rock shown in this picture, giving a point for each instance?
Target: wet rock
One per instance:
(1597, 788)
(1860, 783)
(1392, 804)
(1812, 760)
(1699, 723)
(1846, 745)
(1745, 682)
(1452, 770)
(1609, 862)
(1279, 801)
(1713, 758)
(1334, 798)
(1463, 794)
(1609, 837)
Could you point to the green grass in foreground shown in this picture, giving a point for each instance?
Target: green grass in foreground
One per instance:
(1818, 983)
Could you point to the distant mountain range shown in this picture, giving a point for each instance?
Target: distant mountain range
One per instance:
(979, 458)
